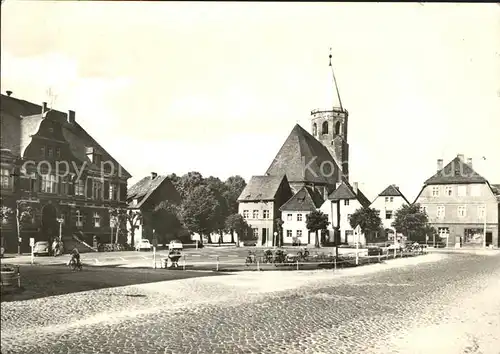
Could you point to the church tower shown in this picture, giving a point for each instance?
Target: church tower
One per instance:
(329, 126)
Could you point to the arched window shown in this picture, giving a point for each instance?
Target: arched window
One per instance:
(325, 128)
(337, 128)
(315, 129)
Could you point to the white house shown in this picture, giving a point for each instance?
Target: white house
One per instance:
(387, 202)
(294, 213)
(339, 206)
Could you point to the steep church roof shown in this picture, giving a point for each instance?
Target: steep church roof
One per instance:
(345, 192)
(456, 172)
(392, 191)
(261, 188)
(306, 199)
(304, 159)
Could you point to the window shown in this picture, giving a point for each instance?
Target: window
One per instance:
(6, 179)
(33, 180)
(299, 217)
(265, 214)
(42, 151)
(315, 129)
(448, 190)
(440, 211)
(289, 217)
(255, 233)
(50, 152)
(49, 184)
(64, 185)
(435, 191)
(388, 214)
(443, 232)
(113, 193)
(299, 233)
(475, 190)
(423, 209)
(387, 199)
(481, 211)
(96, 189)
(325, 128)
(288, 233)
(337, 128)
(79, 218)
(97, 219)
(461, 210)
(346, 202)
(462, 191)
(80, 187)
(245, 214)
(58, 152)
(255, 214)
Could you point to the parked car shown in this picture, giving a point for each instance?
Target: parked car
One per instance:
(41, 248)
(175, 245)
(143, 245)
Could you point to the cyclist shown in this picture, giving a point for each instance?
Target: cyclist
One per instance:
(75, 257)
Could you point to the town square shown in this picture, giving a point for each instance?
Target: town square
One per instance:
(249, 178)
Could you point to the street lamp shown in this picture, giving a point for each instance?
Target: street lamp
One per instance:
(60, 221)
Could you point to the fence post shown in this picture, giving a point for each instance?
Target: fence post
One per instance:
(334, 263)
(297, 264)
(395, 253)
(379, 258)
(184, 263)
(217, 257)
(18, 277)
(257, 264)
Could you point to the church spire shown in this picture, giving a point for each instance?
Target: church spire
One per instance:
(335, 80)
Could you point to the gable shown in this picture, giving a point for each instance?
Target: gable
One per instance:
(455, 172)
(306, 199)
(261, 188)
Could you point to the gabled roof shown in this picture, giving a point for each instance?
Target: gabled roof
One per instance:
(306, 199)
(345, 192)
(496, 190)
(304, 159)
(24, 119)
(142, 190)
(261, 188)
(393, 191)
(455, 172)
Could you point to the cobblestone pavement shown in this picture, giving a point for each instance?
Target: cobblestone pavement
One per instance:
(443, 304)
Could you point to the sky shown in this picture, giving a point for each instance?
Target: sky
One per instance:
(217, 87)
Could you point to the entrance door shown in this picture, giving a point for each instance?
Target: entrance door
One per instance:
(264, 237)
(489, 238)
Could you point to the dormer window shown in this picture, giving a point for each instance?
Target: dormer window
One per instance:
(93, 155)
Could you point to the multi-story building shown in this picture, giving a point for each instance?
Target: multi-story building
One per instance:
(461, 205)
(57, 174)
(388, 202)
(259, 204)
(339, 207)
(294, 215)
(142, 198)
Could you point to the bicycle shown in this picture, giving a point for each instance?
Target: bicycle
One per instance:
(74, 265)
(250, 258)
(303, 255)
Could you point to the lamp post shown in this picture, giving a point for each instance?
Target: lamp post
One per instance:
(484, 227)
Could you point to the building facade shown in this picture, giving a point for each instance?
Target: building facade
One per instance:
(143, 198)
(461, 205)
(339, 207)
(294, 216)
(56, 176)
(259, 205)
(388, 202)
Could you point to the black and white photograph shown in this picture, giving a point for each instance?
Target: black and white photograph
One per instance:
(249, 177)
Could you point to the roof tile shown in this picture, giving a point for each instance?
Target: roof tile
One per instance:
(455, 172)
(306, 199)
(261, 188)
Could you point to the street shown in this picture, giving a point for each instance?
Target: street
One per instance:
(446, 303)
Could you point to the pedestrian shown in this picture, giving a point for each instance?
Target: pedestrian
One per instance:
(220, 240)
(54, 247)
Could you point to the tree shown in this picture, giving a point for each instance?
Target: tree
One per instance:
(316, 221)
(118, 218)
(222, 212)
(133, 219)
(187, 183)
(199, 210)
(278, 223)
(236, 223)
(368, 220)
(412, 222)
(24, 216)
(234, 187)
(5, 213)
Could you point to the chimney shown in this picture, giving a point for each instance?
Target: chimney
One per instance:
(9, 93)
(469, 162)
(71, 117)
(153, 175)
(44, 107)
(440, 165)
(460, 156)
(355, 187)
(397, 187)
